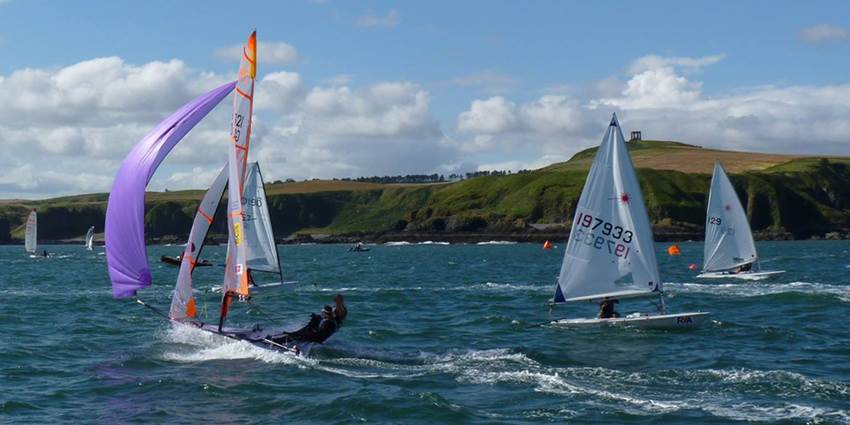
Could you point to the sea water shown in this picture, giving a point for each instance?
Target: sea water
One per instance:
(435, 334)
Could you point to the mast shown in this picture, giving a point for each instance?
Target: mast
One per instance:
(236, 268)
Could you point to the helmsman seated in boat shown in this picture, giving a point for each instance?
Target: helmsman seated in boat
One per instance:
(606, 309)
(320, 327)
(743, 269)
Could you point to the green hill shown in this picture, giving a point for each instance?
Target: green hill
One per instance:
(785, 196)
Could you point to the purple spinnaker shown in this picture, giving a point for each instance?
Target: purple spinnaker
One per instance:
(126, 254)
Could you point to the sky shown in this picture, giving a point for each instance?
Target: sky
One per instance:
(361, 88)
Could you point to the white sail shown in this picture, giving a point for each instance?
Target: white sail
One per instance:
(259, 236)
(610, 251)
(182, 301)
(30, 239)
(728, 238)
(90, 239)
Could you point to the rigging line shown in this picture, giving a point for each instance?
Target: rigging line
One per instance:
(263, 312)
(154, 309)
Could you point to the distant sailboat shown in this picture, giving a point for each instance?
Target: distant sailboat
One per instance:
(729, 250)
(31, 236)
(610, 253)
(90, 238)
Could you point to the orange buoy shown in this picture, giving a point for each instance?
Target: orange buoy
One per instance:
(674, 250)
(547, 245)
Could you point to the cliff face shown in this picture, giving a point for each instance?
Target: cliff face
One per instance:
(800, 198)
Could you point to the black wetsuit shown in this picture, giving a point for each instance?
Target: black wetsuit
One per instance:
(606, 309)
(317, 330)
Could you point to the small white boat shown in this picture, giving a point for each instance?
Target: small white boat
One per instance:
(90, 238)
(729, 251)
(31, 236)
(743, 275)
(640, 320)
(610, 253)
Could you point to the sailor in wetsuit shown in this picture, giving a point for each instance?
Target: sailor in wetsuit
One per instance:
(744, 268)
(606, 309)
(318, 329)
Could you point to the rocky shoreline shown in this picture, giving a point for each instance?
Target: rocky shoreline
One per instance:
(662, 234)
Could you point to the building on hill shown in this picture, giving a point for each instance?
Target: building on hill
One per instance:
(635, 136)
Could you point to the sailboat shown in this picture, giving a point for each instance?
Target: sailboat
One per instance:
(31, 236)
(90, 238)
(729, 250)
(610, 253)
(128, 266)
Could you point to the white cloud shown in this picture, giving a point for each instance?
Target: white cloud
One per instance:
(391, 19)
(269, 52)
(651, 62)
(493, 115)
(339, 131)
(823, 33)
(664, 104)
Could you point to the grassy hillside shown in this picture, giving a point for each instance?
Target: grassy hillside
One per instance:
(785, 196)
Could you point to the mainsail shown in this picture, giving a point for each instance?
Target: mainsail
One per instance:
(31, 237)
(183, 301)
(90, 238)
(236, 267)
(259, 236)
(125, 212)
(610, 251)
(728, 238)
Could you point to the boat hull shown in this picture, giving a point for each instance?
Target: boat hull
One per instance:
(744, 276)
(261, 338)
(652, 321)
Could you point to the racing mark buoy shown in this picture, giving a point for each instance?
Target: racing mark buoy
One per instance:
(673, 250)
(692, 267)
(547, 245)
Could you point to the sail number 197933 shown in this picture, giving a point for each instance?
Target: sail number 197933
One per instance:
(602, 235)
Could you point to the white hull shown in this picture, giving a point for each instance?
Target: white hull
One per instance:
(745, 275)
(649, 321)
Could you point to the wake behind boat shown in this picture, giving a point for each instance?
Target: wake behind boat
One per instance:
(610, 254)
(729, 251)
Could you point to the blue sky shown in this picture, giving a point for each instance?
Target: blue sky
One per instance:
(545, 76)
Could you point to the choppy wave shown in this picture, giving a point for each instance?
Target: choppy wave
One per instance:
(497, 243)
(761, 289)
(486, 286)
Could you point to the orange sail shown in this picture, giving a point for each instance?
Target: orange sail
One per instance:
(236, 272)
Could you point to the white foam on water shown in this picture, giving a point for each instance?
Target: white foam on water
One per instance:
(785, 411)
(434, 243)
(761, 289)
(497, 243)
(399, 243)
(206, 346)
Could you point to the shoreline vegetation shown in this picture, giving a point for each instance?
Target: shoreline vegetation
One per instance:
(786, 197)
